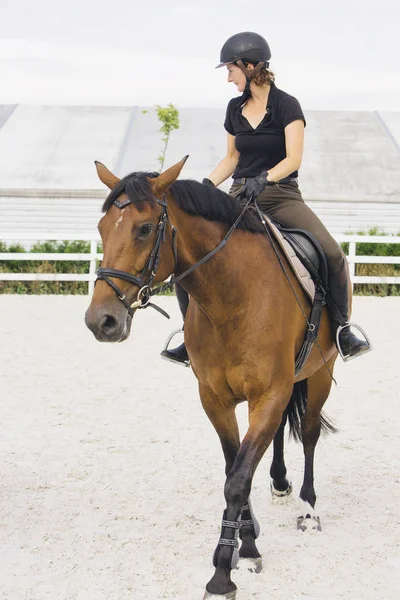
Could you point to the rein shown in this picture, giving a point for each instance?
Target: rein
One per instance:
(177, 278)
(151, 267)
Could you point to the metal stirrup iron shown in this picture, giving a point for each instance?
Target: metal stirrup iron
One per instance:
(348, 357)
(167, 343)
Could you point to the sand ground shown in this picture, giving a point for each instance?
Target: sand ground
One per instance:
(112, 476)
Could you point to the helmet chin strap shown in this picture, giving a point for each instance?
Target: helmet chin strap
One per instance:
(249, 73)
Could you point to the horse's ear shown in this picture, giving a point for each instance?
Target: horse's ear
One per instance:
(163, 181)
(108, 178)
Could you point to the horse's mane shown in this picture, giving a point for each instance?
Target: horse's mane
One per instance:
(191, 196)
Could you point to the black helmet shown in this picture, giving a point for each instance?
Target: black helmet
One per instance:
(245, 46)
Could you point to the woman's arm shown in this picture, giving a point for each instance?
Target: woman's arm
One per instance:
(294, 141)
(226, 167)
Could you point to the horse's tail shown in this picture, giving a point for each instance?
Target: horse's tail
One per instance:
(296, 409)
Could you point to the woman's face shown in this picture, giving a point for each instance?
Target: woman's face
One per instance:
(236, 76)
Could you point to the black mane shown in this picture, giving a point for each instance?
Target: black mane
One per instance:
(192, 197)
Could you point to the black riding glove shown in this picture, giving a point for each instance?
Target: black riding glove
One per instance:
(255, 185)
(207, 182)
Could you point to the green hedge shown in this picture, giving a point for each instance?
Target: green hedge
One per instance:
(81, 287)
(376, 270)
(36, 266)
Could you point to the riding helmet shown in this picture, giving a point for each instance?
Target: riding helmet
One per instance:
(245, 46)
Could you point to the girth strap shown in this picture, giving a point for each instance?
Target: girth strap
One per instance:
(312, 330)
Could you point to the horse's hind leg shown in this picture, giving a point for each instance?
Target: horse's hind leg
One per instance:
(280, 486)
(319, 386)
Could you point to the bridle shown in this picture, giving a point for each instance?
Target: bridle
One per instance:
(149, 271)
(145, 279)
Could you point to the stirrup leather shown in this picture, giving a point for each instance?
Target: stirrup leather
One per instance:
(346, 358)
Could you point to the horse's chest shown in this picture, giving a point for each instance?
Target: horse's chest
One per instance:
(226, 379)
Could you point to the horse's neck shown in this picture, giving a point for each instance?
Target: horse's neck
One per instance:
(224, 278)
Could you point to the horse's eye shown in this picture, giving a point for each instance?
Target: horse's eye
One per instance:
(145, 230)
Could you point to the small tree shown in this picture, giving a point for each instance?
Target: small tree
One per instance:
(169, 117)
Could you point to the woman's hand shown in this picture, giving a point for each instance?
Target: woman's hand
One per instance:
(255, 185)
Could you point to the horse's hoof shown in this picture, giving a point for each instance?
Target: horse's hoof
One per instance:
(228, 596)
(309, 523)
(254, 565)
(281, 493)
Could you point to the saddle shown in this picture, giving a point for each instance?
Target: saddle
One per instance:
(309, 264)
(305, 255)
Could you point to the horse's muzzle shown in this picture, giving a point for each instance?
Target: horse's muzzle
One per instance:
(108, 323)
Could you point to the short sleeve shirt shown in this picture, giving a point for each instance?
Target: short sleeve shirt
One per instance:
(264, 147)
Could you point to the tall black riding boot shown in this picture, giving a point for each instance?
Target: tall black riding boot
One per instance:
(178, 355)
(347, 342)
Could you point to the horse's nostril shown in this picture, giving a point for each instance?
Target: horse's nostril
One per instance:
(108, 323)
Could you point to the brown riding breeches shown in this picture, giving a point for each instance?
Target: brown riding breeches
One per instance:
(284, 203)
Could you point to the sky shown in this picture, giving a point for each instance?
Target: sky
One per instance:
(341, 55)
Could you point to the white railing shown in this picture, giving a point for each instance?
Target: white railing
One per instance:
(93, 256)
(353, 259)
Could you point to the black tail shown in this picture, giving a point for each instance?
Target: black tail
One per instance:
(296, 409)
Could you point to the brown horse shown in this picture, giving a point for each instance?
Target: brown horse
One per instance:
(243, 330)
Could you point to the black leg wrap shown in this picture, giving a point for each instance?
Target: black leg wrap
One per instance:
(229, 537)
(249, 521)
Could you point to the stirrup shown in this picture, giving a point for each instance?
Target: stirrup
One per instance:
(165, 349)
(339, 329)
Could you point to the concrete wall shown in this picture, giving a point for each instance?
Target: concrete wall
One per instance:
(350, 173)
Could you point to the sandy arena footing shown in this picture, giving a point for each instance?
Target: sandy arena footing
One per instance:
(112, 477)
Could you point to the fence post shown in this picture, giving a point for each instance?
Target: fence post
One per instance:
(92, 269)
(351, 258)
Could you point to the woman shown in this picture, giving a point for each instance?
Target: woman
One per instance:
(265, 129)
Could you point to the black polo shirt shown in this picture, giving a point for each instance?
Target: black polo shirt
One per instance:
(262, 148)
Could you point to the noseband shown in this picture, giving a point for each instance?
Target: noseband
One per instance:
(145, 279)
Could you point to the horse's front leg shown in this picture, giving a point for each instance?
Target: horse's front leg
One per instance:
(265, 416)
(223, 417)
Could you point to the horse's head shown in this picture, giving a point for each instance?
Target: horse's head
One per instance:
(137, 246)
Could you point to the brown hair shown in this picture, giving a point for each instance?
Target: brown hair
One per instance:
(263, 76)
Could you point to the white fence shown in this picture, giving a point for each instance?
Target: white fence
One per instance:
(92, 256)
